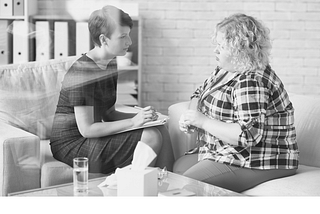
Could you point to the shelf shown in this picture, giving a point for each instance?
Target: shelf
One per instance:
(128, 68)
(53, 17)
(12, 17)
(65, 17)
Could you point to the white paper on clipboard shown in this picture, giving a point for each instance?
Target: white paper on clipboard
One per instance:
(162, 119)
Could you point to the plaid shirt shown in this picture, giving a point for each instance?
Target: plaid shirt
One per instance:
(258, 102)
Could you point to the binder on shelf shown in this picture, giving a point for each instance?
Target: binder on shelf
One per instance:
(5, 43)
(6, 8)
(61, 39)
(20, 41)
(43, 40)
(82, 38)
(18, 7)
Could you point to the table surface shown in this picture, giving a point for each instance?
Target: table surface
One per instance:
(169, 182)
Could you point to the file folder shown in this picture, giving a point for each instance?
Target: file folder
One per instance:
(43, 40)
(61, 39)
(20, 41)
(82, 38)
(5, 43)
(6, 8)
(18, 7)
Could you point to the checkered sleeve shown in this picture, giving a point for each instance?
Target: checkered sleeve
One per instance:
(250, 104)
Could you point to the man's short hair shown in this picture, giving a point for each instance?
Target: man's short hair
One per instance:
(105, 21)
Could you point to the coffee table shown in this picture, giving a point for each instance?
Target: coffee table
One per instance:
(169, 182)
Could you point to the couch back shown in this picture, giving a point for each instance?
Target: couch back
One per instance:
(29, 94)
(307, 122)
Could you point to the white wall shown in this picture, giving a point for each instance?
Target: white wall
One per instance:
(177, 51)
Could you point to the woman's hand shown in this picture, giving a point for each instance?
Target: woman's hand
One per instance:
(145, 115)
(191, 118)
(183, 126)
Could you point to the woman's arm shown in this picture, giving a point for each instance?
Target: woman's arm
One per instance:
(112, 114)
(90, 129)
(250, 104)
(227, 132)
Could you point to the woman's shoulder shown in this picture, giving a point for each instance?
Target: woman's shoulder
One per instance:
(82, 65)
(83, 60)
(80, 72)
(264, 78)
(258, 75)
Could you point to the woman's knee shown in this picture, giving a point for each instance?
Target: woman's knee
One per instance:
(153, 138)
(185, 162)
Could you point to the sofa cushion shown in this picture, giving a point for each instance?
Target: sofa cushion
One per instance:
(56, 172)
(304, 183)
(307, 122)
(29, 94)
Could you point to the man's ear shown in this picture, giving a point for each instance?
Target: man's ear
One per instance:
(103, 39)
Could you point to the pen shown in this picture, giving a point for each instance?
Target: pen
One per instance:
(137, 107)
(176, 193)
(140, 108)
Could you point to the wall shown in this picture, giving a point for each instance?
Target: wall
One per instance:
(177, 52)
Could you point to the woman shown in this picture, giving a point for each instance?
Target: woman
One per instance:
(86, 122)
(243, 115)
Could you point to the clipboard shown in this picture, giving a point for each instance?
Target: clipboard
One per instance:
(162, 119)
(177, 193)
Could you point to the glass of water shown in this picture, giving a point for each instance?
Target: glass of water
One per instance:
(80, 174)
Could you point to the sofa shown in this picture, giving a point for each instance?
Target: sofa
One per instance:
(29, 94)
(306, 182)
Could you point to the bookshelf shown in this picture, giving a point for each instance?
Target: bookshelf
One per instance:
(15, 26)
(17, 9)
(129, 87)
(18, 43)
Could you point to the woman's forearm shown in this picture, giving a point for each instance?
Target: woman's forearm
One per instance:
(91, 129)
(100, 129)
(227, 132)
(118, 115)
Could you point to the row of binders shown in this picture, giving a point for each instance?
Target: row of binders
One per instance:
(49, 43)
(11, 8)
(60, 40)
(14, 48)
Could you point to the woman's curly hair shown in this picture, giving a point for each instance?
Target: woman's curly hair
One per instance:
(248, 41)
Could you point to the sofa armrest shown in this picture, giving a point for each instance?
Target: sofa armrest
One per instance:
(19, 160)
(181, 142)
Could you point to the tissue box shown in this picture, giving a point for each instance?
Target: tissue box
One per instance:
(137, 182)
